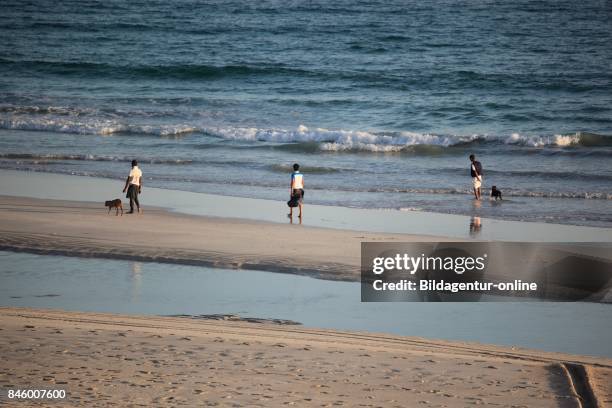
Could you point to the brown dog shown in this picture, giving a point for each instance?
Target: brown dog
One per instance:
(114, 204)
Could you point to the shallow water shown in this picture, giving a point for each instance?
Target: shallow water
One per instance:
(380, 101)
(97, 190)
(158, 289)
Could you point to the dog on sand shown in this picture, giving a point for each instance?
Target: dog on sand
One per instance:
(116, 204)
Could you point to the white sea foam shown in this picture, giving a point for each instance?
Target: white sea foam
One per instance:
(354, 140)
(339, 140)
(326, 139)
(542, 141)
(93, 127)
(410, 209)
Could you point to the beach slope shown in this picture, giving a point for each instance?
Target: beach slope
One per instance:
(85, 229)
(114, 360)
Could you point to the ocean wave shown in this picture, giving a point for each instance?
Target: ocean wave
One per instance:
(577, 139)
(44, 110)
(92, 127)
(339, 140)
(177, 71)
(24, 112)
(415, 209)
(351, 140)
(287, 168)
(300, 139)
(49, 158)
(368, 78)
(88, 157)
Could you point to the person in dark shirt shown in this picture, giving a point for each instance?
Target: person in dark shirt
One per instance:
(476, 172)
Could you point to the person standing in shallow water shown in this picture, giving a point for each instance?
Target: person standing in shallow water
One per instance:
(476, 172)
(296, 191)
(133, 185)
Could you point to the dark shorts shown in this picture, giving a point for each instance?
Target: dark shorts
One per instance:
(297, 197)
(132, 192)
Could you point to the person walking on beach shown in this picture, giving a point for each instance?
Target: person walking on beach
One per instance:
(296, 191)
(133, 185)
(476, 172)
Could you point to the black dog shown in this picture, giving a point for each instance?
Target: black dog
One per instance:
(497, 194)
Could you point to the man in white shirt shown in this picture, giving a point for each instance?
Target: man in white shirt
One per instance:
(296, 191)
(133, 185)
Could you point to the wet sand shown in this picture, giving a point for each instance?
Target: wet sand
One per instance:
(114, 360)
(85, 229)
(97, 190)
(106, 360)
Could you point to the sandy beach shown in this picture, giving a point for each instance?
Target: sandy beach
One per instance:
(85, 229)
(130, 360)
(114, 360)
(454, 161)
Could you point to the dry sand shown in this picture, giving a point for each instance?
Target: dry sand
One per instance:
(111, 360)
(85, 229)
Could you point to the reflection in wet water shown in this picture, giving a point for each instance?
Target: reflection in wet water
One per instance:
(161, 289)
(475, 226)
(136, 280)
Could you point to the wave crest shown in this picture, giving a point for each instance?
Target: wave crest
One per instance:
(341, 140)
(351, 140)
(176, 71)
(37, 158)
(577, 139)
(302, 138)
(94, 127)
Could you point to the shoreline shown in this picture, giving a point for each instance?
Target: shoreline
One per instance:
(87, 230)
(39, 214)
(72, 228)
(80, 188)
(164, 359)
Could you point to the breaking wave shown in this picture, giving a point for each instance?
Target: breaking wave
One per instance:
(93, 127)
(351, 140)
(302, 138)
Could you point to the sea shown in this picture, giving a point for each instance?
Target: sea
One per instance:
(380, 102)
